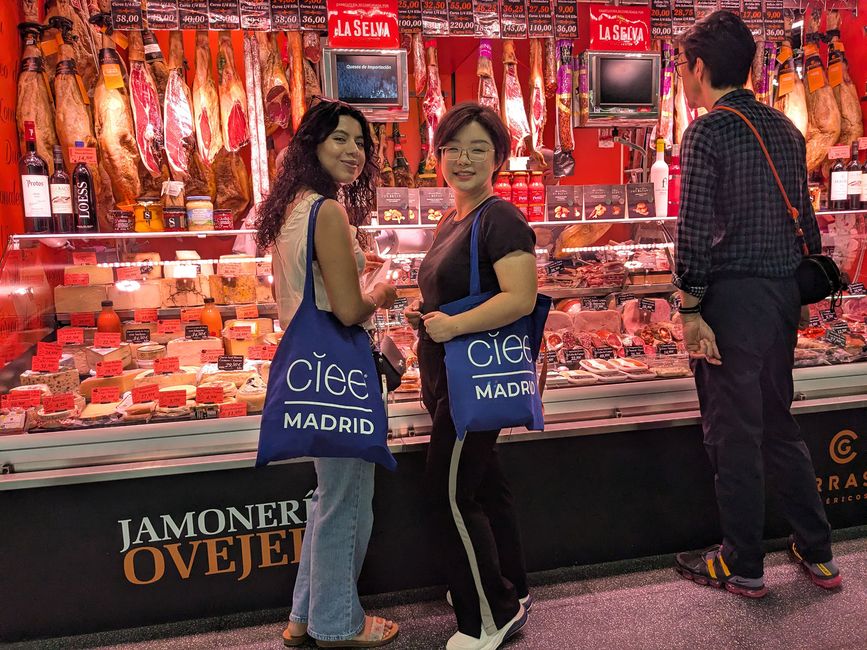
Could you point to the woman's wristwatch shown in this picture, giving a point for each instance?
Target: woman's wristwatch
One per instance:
(690, 310)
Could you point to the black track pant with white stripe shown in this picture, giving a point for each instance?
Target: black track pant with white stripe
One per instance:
(472, 515)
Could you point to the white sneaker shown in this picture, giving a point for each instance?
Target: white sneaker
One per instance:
(526, 601)
(460, 641)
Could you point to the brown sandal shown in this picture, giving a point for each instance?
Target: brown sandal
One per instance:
(373, 637)
(291, 641)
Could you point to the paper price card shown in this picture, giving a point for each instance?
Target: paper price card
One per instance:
(191, 315)
(409, 15)
(314, 15)
(840, 152)
(196, 332)
(225, 14)
(856, 289)
(263, 269)
(105, 395)
(166, 365)
(246, 311)
(210, 356)
(23, 399)
(109, 368)
(230, 362)
(70, 336)
(604, 352)
(660, 19)
(435, 17)
(76, 279)
(633, 350)
(539, 18)
(171, 326)
(514, 18)
(138, 336)
(172, 398)
(229, 270)
(45, 364)
(284, 15)
(261, 352)
(461, 18)
(240, 333)
(647, 304)
(49, 350)
(145, 316)
(82, 319)
(126, 14)
(574, 354)
(566, 13)
(162, 14)
(57, 403)
(106, 340)
(193, 14)
(234, 410)
(145, 393)
(126, 273)
(255, 15)
(623, 297)
(86, 155)
(666, 348)
(209, 394)
(83, 258)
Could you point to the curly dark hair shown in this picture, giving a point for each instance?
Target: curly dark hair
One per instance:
(301, 171)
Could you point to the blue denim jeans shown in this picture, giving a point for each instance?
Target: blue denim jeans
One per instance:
(339, 522)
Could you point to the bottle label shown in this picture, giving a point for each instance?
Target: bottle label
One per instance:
(839, 182)
(36, 195)
(82, 202)
(854, 183)
(61, 198)
(863, 187)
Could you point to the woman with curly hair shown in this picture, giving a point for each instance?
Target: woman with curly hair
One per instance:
(331, 158)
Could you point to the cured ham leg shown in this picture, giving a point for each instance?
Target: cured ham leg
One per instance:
(84, 50)
(824, 129)
(433, 106)
(845, 92)
(35, 103)
(206, 103)
(296, 77)
(180, 134)
(537, 94)
(233, 182)
(275, 86)
(233, 99)
(146, 110)
(156, 63)
(488, 95)
(514, 113)
(791, 94)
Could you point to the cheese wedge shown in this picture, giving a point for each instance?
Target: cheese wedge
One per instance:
(181, 292)
(123, 381)
(185, 376)
(257, 325)
(171, 270)
(189, 351)
(64, 380)
(96, 274)
(150, 271)
(98, 355)
(69, 300)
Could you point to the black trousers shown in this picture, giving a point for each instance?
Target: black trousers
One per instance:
(472, 515)
(749, 431)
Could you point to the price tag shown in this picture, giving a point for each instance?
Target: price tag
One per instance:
(57, 403)
(193, 315)
(574, 354)
(553, 268)
(76, 279)
(261, 352)
(171, 326)
(828, 315)
(82, 319)
(49, 350)
(166, 365)
(238, 333)
(45, 364)
(605, 352)
(246, 311)
(646, 304)
(80, 259)
(594, 304)
(105, 394)
(233, 410)
(106, 340)
(835, 338)
(172, 398)
(814, 321)
(841, 327)
(70, 336)
(400, 304)
(138, 336)
(210, 356)
(145, 315)
(623, 297)
(840, 152)
(86, 155)
(126, 273)
(552, 359)
(126, 14)
(634, 350)
(263, 269)
(196, 332)
(193, 14)
(22, 399)
(230, 362)
(146, 393)
(666, 349)
(229, 270)
(109, 368)
(856, 289)
(209, 394)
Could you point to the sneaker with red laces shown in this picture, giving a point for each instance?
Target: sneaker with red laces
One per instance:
(708, 567)
(824, 574)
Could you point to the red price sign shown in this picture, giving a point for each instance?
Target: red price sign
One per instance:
(128, 273)
(87, 155)
(263, 269)
(240, 333)
(70, 336)
(619, 28)
(172, 326)
(109, 368)
(172, 398)
(209, 394)
(46, 349)
(105, 395)
(82, 319)
(83, 258)
(246, 311)
(106, 340)
(191, 315)
(372, 23)
(233, 410)
(840, 152)
(210, 356)
(166, 365)
(146, 393)
(55, 403)
(76, 279)
(261, 352)
(145, 316)
(23, 399)
(45, 364)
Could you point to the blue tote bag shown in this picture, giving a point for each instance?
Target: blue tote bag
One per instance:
(492, 375)
(324, 396)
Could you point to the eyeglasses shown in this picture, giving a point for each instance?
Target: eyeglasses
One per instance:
(677, 67)
(474, 154)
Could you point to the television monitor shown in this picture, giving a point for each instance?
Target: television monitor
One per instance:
(374, 81)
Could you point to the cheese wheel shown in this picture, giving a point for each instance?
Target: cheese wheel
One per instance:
(181, 292)
(229, 388)
(253, 392)
(123, 382)
(95, 355)
(189, 389)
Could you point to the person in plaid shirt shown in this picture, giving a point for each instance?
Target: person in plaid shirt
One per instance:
(736, 253)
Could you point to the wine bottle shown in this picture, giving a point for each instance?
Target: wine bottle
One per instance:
(659, 178)
(84, 201)
(61, 195)
(864, 186)
(838, 198)
(853, 180)
(35, 193)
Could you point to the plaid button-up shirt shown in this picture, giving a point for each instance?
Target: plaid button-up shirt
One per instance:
(733, 219)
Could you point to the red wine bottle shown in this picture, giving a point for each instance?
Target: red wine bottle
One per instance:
(83, 197)
(34, 185)
(61, 195)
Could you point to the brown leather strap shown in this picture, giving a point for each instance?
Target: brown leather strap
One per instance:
(793, 211)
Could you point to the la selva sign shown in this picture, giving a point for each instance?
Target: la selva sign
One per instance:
(363, 24)
(620, 28)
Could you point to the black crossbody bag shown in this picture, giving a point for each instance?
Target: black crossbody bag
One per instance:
(818, 276)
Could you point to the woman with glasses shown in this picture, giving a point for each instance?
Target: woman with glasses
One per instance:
(472, 513)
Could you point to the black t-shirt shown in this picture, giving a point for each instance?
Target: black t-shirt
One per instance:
(444, 274)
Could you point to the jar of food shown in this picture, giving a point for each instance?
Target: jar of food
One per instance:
(175, 218)
(223, 220)
(503, 187)
(148, 214)
(521, 192)
(537, 189)
(121, 220)
(200, 213)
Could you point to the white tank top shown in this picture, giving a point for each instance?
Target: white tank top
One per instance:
(289, 262)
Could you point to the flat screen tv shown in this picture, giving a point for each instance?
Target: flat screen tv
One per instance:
(374, 81)
(622, 89)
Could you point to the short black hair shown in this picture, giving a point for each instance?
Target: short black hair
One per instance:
(465, 113)
(725, 44)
